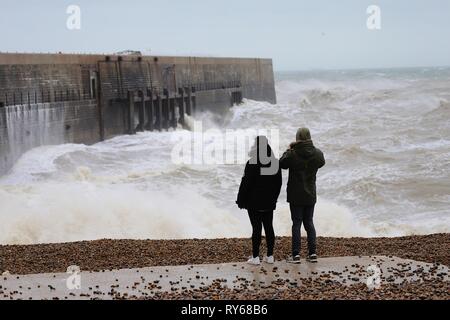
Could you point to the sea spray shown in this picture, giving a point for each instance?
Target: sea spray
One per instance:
(385, 136)
(87, 209)
(84, 211)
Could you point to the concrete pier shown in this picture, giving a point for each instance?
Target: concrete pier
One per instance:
(91, 94)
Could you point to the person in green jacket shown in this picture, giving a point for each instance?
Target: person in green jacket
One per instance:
(303, 161)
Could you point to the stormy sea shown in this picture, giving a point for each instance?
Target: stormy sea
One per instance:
(385, 135)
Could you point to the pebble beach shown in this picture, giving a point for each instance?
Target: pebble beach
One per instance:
(116, 254)
(106, 255)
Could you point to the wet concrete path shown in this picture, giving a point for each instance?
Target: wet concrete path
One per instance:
(145, 282)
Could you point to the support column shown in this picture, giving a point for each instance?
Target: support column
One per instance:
(194, 102)
(142, 117)
(131, 125)
(189, 102)
(150, 121)
(181, 106)
(173, 115)
(165, 109)
(159, 112)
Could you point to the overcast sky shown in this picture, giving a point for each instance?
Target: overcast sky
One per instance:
(315, 34)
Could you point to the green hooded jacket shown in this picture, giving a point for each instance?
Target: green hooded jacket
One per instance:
(303, 161)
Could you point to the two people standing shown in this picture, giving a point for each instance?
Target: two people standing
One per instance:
(261, 185)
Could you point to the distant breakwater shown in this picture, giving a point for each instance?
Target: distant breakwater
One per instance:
(66, 98)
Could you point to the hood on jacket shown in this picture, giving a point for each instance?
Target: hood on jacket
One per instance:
(304, 149)
(303, 134)
(304, 146)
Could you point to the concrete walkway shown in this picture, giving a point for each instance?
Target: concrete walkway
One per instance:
(146, 281)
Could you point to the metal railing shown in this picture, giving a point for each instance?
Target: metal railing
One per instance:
(204, 86)
(42, 96)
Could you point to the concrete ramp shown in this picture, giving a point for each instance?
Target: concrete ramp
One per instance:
(145, 282)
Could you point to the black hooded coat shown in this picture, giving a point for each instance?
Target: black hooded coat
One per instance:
(258, 190)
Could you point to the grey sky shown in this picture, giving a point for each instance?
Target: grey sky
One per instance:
(296, 34)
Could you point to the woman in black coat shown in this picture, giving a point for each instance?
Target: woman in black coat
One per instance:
(258, 193)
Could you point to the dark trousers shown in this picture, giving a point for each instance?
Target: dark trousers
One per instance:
(303, 214)
(259, 219)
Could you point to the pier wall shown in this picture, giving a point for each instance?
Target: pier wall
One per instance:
(66, 98)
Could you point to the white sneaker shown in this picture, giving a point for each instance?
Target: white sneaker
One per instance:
(254, 261)
(269, 260)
